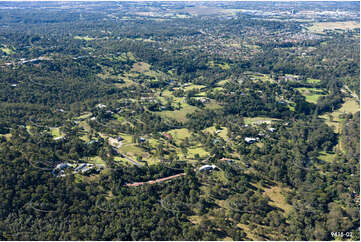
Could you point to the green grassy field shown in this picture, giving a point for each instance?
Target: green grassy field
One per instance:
(7, 50)
(179, 115)
(221, 83)
(261, 77)
(55, 132)
(193, 86)
(327, 157)
(256, 120)
(87, 38)
(349, 106)
(140, 67)
(7, 136)
(119, 118)
(213, 105)
(320, 27)
(222, 133)
(83, 116)
(197, 150)
(313, 81)
(179, 135)
(132, 150)
(96, 160)
(311, 94)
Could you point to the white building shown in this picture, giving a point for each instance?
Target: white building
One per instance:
(207, 167)
(250, 140)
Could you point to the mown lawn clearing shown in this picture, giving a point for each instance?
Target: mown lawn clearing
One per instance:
(197, 150)
(259, 120)
(83, 116)
(313, 81)
(193, 86)
(327, 157)
(87, 38)
(221, 83)
(96, 160)
(222, 132)
(179, 115)
(311, 94)
(277, 198)
(179, 135)
(7, 50)
(333, 119)
(55, 132)
(140, 67)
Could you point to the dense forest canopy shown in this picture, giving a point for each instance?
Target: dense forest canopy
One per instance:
(179, 121)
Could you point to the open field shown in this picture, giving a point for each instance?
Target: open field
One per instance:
(197, 150)
(320, 27)
(312, 94)
(83, 116)
(96, 160)
(349, 106)
(221, 83)
(140, 67)
(55, 132)
(327, 157)
(7, 136)
(312, 81)
(261, 77)
(87, 38)
(179, 115)
(222, 133)
(193, 86)
(277, 199)
(7, 50)
(179, 135)
(213, 105)
(259, 120)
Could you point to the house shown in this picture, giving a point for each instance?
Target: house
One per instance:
(100, 105)
(168, 136)
(271, 129)
(203, 99)
(119, 138)
(80, 167)
(250, 140)
(59, 138)
(59, 169)
(62, 166)
(87, 169)
(93, 141)
(207, 168)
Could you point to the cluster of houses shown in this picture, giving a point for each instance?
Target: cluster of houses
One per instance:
(83, 168)
(251, 140)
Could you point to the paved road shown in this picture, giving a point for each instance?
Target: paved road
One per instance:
(136, 184)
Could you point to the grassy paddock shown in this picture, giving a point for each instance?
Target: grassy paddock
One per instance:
(320, 27)
(311, 94)
(179, 115)
(87, 38)
(333, 119)
(257, 120)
